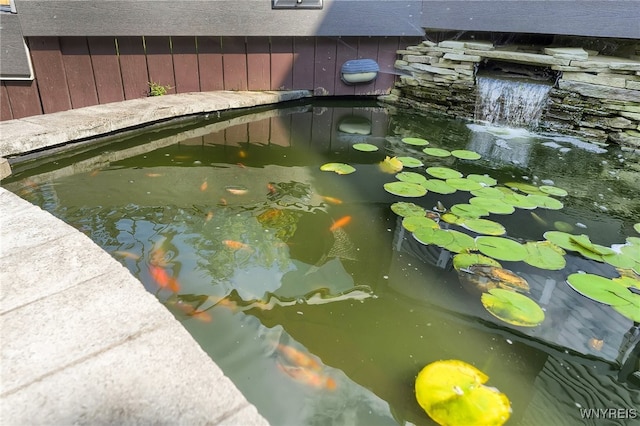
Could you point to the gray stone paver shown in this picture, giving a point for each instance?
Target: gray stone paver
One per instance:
(82, 341)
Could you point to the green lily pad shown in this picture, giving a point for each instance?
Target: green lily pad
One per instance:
(463, 184)
(492, 205)
(561, 239)
(631, 250)
(426, 235)
(483, 179)
(365, 147)
(415, 141)
(484, 226)
(546, 202)
(519, 201)
(579, 243)
(436, 152)
(443, 172)
(488, 193)
(601, 289)
(405, 189)
(452, 392)
(545, 255)
(411, 177)
(553, 190)
(637, 227)
(438, 186)
(339, 168)
(630, 310)
(464, 154)
(452, 219)
(527, 188)
(410, 162)
(501, 248)
(619, 260)
(512, 308)
(412, 223)
(405, 209)
(633, 240)
(468, 211)
(461, 242)
(464, 260)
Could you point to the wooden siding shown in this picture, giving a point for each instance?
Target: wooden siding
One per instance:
(72, 72)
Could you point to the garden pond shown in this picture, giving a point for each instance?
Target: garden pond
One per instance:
(324, 253)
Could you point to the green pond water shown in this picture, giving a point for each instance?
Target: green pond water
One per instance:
(273, 255)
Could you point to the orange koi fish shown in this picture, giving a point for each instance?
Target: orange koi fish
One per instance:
(331, 200)
(204, 186)
(158, 257)
(163, 279)
(209, 216)
(236, 191)
(308, 377)
(94, 173)
(242, 154)
(271, 188)
(203, 316)
(223, 202)
(224, 302)
(298, 358)
(241, 165)
(153, 175)
(236, 245)
(340, 223)
(127, 254)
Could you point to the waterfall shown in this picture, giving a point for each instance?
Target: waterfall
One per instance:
(509, 102)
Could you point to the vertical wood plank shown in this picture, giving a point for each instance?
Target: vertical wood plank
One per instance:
(215, 138)
(24, 98)
(5, 105)
(79, 71)
(325, 67)
(210, 64)
(367, 49)
(346, 50)
(49, 71)
(281, 63)
(387, 47)
(258, 63)
(234, 62)
(321, 129)
(235, 135)
(160, 62)
(133, 67)
(280, 131)
(303, 62)
(259, 131)
(185, 64)
(301, 129)
(106, 69)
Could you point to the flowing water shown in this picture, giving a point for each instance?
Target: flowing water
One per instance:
(306, 289)
(510, 102)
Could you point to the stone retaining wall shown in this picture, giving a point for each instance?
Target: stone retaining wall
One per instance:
(596, 97)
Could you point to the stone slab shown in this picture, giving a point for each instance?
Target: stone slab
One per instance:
(519, 57)
(633, 85)
(612, 62)
(598, 91)
(5, 168)
(432, 69)
(612, 80)
(479, 45)
(567, 52)
(452, 44)
(462, 57)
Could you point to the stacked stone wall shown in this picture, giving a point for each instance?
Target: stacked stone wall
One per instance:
(595, 97)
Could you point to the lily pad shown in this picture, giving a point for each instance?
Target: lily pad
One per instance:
(436, 152)
(485, 180)
(410, 162)
(464, 260)
(463, 184)
(452, 392)
(365, 147)
(443, 172)
(438, 186)
(464, 154)
(339, 168)
(501, 248)
(412, 223)
(619, 260)
(553, 190)
(460, 242)
(637, 227)
(484, 226)
(519, 201)
(527, 188)
(405, 189)
(411, 177)
(513, 308)
(415, 141)
(546, 202)
(488, 193)
(601, 289)
(425, 235)
(390, 165)
(545, 255)
(492, 205)
(631, 250)
(405, 209)
(452, 219)
(468, 211)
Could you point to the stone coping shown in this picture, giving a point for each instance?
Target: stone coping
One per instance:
(82, 340)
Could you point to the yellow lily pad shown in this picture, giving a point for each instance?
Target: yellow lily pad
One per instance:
(452, 392)
(390, 165)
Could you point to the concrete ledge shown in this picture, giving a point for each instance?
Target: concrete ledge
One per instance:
(43, 131)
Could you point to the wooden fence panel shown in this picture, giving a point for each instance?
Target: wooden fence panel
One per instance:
(79, 71)
(49, 70)
(106, 69)
(367, 49)
(259, 131)
(304, 52)
(185, 64)
(387, 48)
(5, 105)
(258, 63)
(24, 98)
(325, 67)
(210, 66)
(160, 62)
(346, 50)
(281, 63)
(234, 62)
(133, 67)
